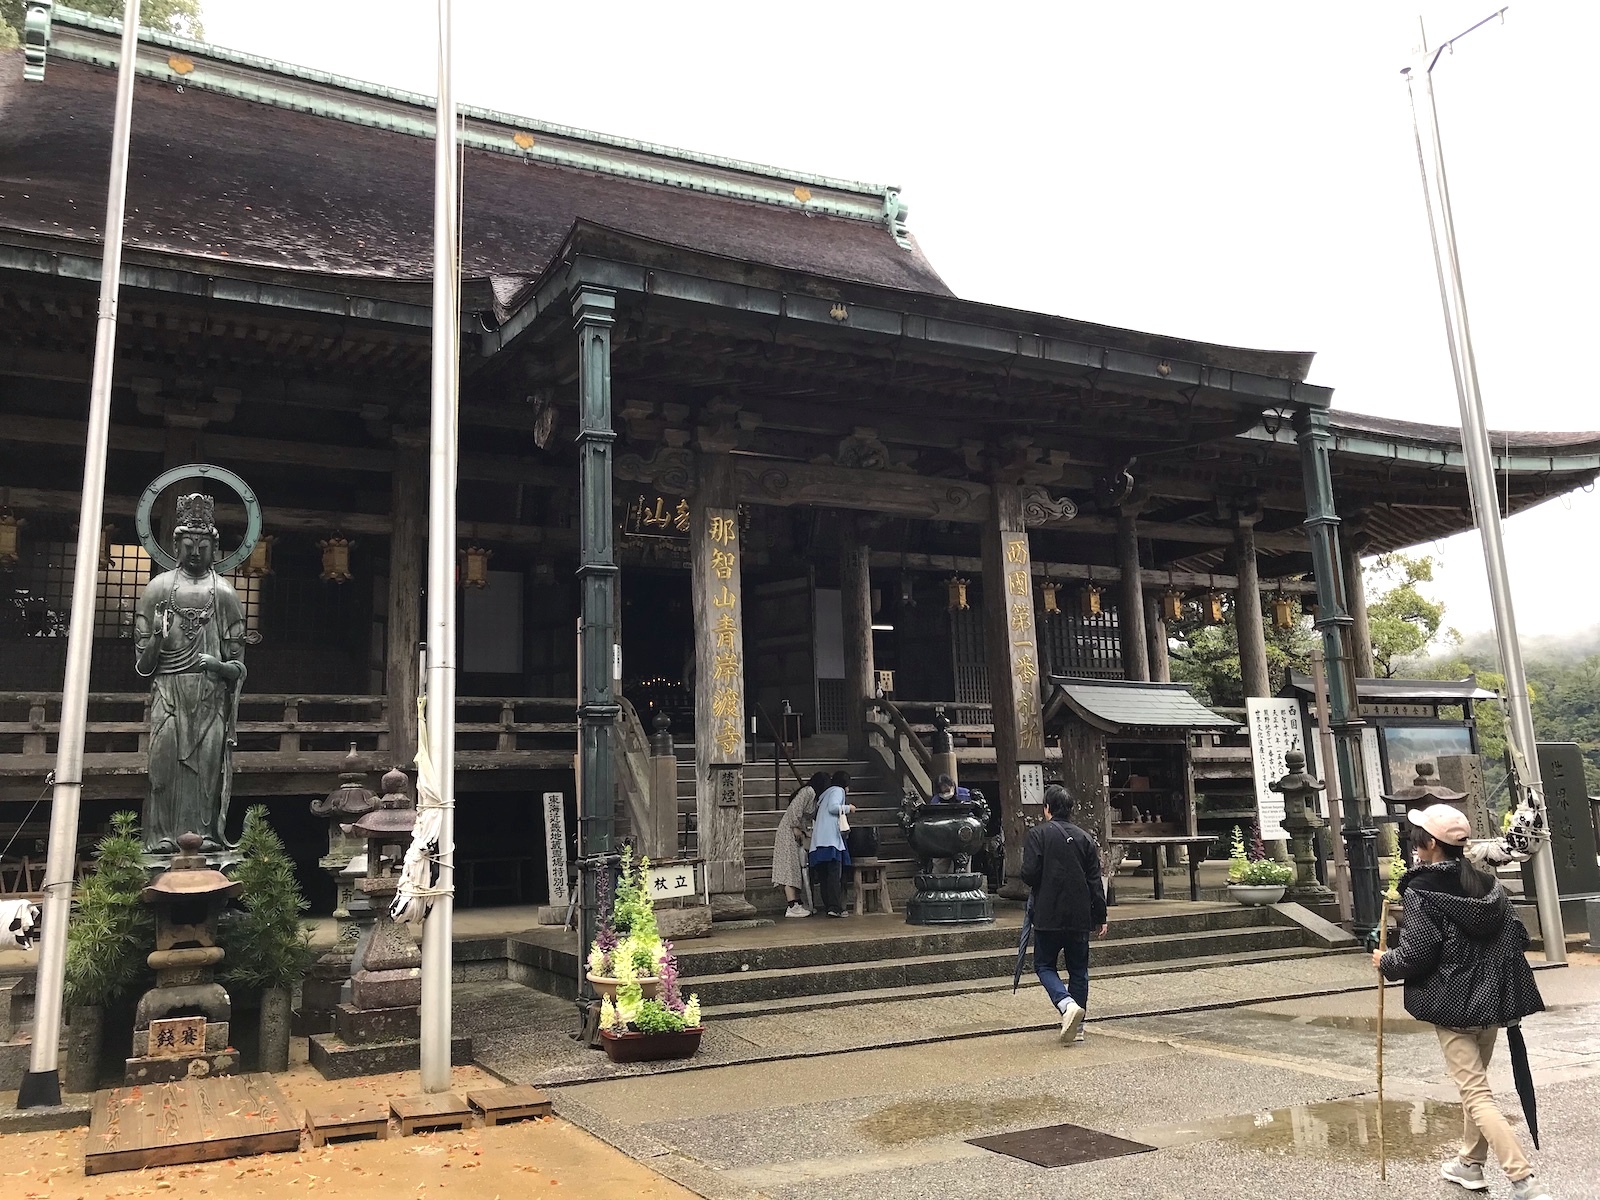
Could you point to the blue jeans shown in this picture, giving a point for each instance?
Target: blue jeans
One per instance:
(1048, 945)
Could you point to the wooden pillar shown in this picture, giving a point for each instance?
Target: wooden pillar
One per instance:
(719, 694)
(1130, 607)
(855, 600)
(408, 509)
(1248, 623)
(1355, 592)
(1013, 657)
(1156, 631)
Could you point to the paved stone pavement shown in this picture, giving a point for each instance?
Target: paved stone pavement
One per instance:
(1267, 1098)
(523, 1035)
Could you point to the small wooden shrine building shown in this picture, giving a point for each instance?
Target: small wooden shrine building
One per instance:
(727, 415)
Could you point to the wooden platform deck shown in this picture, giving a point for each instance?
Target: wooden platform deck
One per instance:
(198, 1120)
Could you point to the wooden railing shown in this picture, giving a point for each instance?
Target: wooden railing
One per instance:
(279, 733)
(903, 753)
(977, 726)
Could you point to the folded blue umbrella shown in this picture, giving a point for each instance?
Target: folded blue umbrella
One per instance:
(1022, 944)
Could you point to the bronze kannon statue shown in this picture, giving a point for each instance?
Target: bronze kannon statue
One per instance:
(189, 635)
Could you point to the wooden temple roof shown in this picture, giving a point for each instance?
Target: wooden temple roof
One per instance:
(279, 244)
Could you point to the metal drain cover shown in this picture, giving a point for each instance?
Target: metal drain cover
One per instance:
(1059, 1145)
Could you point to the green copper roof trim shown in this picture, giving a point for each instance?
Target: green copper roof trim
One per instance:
(1375, 445)
(81, 37)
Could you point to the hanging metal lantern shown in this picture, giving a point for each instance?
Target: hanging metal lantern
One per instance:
(108, 561)
(1051, 604)
(908, 592)
(1089, 600)
(336, 559)
(1172, 605)
(1283, 612)
(475, 566)
(958, 593)
(10, 539)
(1211, 608)
(259, 564)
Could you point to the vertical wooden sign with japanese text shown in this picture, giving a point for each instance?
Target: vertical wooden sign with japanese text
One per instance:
(1274, 731)
(719, 699)
(1022, 648)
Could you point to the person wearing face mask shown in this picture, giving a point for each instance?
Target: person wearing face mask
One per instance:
(1462, 955)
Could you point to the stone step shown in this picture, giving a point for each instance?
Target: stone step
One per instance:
(750, 986)
(1002, 983)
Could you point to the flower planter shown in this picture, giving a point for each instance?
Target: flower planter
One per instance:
(650, 1047)
(605, 986)
(1254, 895)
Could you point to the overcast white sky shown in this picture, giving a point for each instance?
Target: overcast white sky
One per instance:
(1234, 172)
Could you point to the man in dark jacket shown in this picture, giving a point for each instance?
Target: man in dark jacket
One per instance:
(1462, 954)
(1061, 866)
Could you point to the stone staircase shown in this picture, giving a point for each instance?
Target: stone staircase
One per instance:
(764, 805)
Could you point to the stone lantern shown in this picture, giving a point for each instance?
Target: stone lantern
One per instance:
(180, 1029)
(328, 977)
(1300, 821)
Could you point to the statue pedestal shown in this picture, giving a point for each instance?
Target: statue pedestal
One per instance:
(957, 899)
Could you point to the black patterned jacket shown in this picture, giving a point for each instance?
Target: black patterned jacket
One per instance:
(1463, 959)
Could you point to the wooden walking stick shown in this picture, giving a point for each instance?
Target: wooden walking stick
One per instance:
(1392, 894)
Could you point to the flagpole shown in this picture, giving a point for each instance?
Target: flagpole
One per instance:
(1485, 503)
(441, 635)
(41, 1084)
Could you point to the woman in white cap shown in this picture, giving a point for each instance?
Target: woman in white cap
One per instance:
(1462, 954)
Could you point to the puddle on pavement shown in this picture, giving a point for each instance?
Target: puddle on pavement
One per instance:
(913, 1121)
(1414, 1130)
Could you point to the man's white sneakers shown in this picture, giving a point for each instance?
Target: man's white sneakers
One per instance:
(1071, 1020)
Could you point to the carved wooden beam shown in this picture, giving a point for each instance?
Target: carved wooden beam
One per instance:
(1084, 573)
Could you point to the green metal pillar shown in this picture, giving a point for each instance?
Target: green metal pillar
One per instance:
(1333, 622)
(593, 310)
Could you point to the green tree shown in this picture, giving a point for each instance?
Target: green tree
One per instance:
(267, 945)
(181, 17)
(111, 931)
(1403, 622)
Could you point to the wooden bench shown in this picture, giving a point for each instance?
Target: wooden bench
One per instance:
(347, 1122)
(516, 1103)
(445, 1110)
(1197, 847)
(871, 881)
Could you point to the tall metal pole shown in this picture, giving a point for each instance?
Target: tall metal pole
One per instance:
(441, 635)
(1481, 483)
(41, 1085)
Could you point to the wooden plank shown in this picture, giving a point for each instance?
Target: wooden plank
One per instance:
(444, 1110)
(347, 1120)
(197, 1120)
(515, 1103)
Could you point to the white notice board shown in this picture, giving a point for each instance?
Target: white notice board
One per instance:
(1274, 731)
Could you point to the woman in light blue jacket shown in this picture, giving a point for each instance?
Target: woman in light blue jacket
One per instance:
(829, 856)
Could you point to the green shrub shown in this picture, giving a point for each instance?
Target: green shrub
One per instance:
(268, 946)
(656, 1017)
(1263, 872)
(111, 931)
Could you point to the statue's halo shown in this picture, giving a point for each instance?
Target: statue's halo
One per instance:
(147, 502)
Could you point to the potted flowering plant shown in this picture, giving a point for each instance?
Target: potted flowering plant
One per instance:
(634, 1028)
(627, 944)
(1253, 878)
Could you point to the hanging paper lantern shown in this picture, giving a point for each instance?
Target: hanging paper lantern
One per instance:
(475, 566)
(1051, 604)
(1283, 612)
(1089, 600)
(259, 564)
(1172, 605)
(10, 539)
(336, 559)
(958, 593)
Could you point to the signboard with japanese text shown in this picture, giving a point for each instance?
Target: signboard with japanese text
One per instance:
(722, 677)
(555, 845)
(1022, 647)
(1274, 731)
(177, 1037)
(652, 515)
(1030, 778)
(670, 881)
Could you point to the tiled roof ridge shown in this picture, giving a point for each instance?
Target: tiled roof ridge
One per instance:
(185, 62)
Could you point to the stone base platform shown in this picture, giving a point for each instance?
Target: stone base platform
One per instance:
(334, 1058)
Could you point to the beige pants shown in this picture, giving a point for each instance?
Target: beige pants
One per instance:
(1466, 1057)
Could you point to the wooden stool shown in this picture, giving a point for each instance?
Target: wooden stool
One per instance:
(347, 1122)
(513, 1103)
(444, 1110)
(870, 880)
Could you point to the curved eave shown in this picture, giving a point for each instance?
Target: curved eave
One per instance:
(1516, 453)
